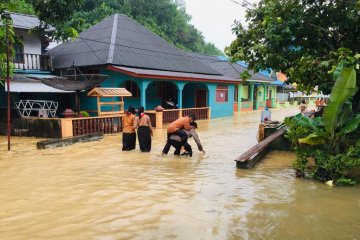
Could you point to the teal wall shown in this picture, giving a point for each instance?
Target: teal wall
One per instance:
(189, 94)
(187, 98)
(221, 109)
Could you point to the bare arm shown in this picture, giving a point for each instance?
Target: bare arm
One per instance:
(136, 123)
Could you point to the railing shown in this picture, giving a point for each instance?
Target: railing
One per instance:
(32, 62)
(200, 113)
(152, 116)
(170, 115)
(104, 125)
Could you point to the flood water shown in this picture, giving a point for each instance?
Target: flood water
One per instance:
(95, 191)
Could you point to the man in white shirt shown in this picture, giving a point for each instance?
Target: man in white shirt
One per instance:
(265, 115)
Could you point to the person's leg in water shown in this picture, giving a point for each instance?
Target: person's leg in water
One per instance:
(188, 150)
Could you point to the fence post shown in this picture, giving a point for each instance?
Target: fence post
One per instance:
(180, 112)
(209, 112)
(66, 127)
(159, 119)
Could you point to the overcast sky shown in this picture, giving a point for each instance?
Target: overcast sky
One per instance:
(214, 18)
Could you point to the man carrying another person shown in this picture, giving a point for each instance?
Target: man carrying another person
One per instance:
(178, 126)
(175, 141)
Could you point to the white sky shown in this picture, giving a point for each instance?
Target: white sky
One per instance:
(214, 18)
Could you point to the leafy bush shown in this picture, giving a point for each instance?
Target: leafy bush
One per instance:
(333, 141)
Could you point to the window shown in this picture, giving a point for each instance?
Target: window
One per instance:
(19, 51)
(222, 93)
(133, 88)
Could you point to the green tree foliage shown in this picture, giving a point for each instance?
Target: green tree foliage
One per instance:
(166, 18)
(57, 18)
(305, 39)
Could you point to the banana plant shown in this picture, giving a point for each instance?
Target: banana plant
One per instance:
(338, 120)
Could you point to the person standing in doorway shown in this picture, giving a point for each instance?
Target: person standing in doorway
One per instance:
(129, 134)
(145, 131)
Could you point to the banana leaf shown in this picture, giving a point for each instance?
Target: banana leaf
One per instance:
(312, 140)
(352, 125)
(343, 90)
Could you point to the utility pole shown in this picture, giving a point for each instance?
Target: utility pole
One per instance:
(7, 19)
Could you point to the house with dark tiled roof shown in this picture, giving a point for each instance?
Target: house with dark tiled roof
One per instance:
(254, 93)
(153, 70)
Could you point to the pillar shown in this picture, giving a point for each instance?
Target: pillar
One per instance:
(143, 86)
(273, 100)
(180, 86)
(240, 87)
(265, 93)
(252, 87)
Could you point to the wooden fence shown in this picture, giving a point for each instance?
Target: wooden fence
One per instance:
(200, 113)
(113, 124)
(80, 126)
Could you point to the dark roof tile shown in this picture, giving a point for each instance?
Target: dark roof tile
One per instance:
(130, 45)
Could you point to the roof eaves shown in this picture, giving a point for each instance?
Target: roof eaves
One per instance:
(169, 77)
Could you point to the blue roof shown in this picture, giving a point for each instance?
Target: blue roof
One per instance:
(278, 83)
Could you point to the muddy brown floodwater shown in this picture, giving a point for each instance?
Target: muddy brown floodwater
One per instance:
(95, 191)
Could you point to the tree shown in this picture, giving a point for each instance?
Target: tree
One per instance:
(304, 39)
(167, 18)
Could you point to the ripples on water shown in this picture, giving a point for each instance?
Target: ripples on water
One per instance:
(95, 191)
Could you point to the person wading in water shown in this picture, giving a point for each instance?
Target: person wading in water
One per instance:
(145, 131)
(129, 134)
(178, 126)
(175, 141)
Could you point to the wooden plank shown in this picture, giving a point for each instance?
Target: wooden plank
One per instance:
(260, 146)
(111, 103)
(111, 113)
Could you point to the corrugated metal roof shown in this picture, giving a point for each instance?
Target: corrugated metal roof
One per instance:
(23, 83)
(22, 21)
(158, 74)
(228, 69)
(109, 92)
(119, 40)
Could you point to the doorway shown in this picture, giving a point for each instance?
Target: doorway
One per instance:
(200, 98)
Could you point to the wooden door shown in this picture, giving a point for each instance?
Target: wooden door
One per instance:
(201, 98)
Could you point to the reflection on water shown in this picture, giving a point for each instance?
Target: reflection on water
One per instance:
(95, 191)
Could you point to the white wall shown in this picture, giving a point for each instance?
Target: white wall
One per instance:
(32, 45)
(32, 42)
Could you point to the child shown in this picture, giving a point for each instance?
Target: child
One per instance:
(145, 132)
(129, 134)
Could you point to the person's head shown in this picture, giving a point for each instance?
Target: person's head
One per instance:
(303, 102)
(194, 124)
(192, 117)
(131, 109)
(140, 110)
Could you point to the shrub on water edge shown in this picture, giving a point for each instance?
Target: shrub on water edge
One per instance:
(332, 141)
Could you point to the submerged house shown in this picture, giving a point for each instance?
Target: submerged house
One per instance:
(253, 94)
(146, 65)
